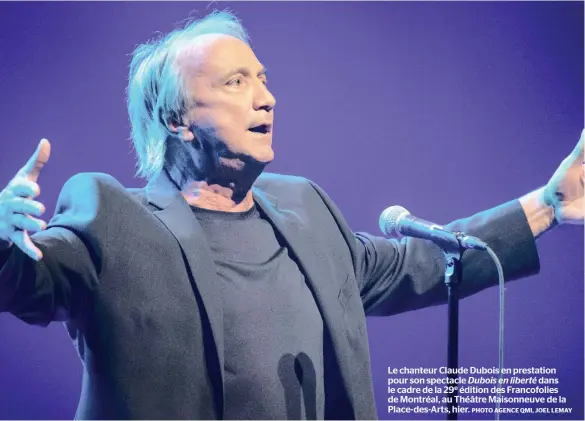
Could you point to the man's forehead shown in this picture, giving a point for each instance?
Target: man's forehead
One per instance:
(215, 52)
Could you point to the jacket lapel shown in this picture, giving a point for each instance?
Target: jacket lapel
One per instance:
(310, 255)
(178, 217)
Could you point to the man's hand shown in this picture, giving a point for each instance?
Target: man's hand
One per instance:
(17, 205)
(564, 191)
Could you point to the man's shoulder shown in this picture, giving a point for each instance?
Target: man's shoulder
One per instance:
(95, 184)
(93, 179)
(272, 182)
(279, 184)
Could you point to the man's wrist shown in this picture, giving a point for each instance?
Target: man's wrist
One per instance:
(539, 213)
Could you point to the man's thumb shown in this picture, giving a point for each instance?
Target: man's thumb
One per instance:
(39, 158)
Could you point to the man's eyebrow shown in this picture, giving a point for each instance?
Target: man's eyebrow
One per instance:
(245, 72)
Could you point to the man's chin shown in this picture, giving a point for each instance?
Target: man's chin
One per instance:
(266, 157)
(261, 156)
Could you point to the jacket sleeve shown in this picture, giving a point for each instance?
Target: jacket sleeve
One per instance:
(395, 276)
(58, 287)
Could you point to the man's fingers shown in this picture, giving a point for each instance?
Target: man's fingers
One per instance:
(25, 222)
(23, 187)
(39, 158)
(26, 206)
(22, 240)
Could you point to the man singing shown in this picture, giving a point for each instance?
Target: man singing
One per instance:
(218, 290)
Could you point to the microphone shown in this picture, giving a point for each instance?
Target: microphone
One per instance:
(397, 222)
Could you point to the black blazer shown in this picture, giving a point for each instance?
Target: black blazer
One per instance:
(131, 274)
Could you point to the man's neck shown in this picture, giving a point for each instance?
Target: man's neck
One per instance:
(229, 189)
(215, 197)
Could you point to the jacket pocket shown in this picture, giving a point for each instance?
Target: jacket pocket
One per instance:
(352, 308)
(346, 292)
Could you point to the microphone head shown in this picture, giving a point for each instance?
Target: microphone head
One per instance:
(389, 220)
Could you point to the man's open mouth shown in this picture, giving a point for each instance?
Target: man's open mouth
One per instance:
(261, 128)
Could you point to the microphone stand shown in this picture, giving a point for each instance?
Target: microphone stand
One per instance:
(453, 278)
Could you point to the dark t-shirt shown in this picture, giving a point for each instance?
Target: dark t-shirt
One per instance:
(273, 330)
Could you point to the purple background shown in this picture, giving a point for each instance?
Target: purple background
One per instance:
(445, 108)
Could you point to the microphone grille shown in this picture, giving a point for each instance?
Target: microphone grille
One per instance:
(389, 220)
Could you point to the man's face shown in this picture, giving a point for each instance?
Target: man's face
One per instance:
(232, 112)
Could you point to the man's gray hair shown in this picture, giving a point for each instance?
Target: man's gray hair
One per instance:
(156, 90)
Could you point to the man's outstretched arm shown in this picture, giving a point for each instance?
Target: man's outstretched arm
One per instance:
(47, 276)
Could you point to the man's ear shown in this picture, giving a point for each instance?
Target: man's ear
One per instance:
(182, 131)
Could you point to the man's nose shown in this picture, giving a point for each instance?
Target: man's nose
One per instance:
(264, 100)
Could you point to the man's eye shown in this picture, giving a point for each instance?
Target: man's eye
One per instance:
(235, 82)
